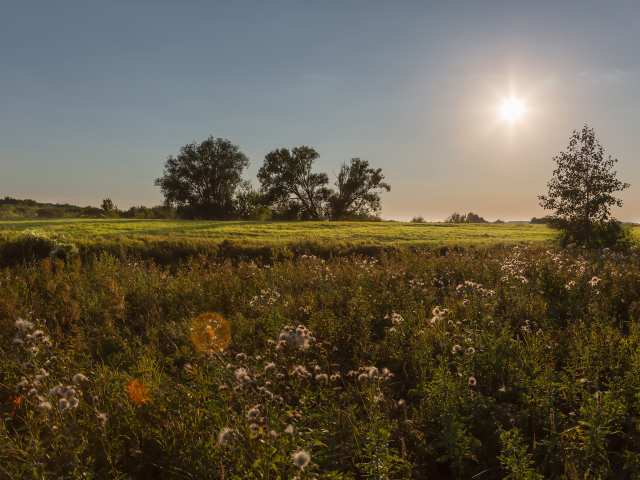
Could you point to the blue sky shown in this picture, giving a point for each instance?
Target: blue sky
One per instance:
(95, 95)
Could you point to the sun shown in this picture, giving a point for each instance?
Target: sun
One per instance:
(512, 109)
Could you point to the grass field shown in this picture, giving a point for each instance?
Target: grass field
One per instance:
(391, 233)
(491, 361)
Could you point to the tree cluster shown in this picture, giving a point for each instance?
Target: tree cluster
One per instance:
(205, 181)
(470, 217)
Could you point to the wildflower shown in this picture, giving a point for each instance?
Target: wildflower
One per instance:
(17, 339)
(63, 404)
(241, 374)
(225, 436)
(583, 381)
(471, 350)
(69, 393)
(300, 371)
(269, 366)
(594, 281)
(289, 430)
(102, 418)
(240, 357)
(230, 366)
(363, 377)
(301, 458)
(23, 325)
(392, 330)
(55, 390)
(253, 413)
(254, 428)
(187, 367)
(34, 350)
(37, 334)
(465, 303)
(401, 403)
(335, 378)
(373, 373)
(44, 407)
(73, 402)
(435, 320)
(456, 349)
(321, 378)
(396, 319)
(273, 434)
(472, 382)
(317, 369)
(78, 377)
(22, 384)
(436, 311)
(380, 399)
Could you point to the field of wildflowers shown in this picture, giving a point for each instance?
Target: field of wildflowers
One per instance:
(492, 362)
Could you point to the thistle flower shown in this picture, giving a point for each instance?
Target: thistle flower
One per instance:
(300, 371)
(317, 369)
(380, 399)
(436, 311)
(465, 303)
(471, 350)
(396, 319)
(335, 378)
(240, 357)
(289, 430)
(34, 350)
(78, 377)
(253, 413)
(401, 403)
(321, 378)
(73, 402)
(22, 384)
(363, 377)
(63, 404)
(37, 334)
(273, 434)
(435, 320)
(102, 418)
(23, 325)
(55, 390)
(17, 339)
(472, 381)
(241, 374)
(301, 458)
(456, 349)
(44, 407)
(254, 428)
(269, 366)
(225, 436)
(373, 373)
(69, 393)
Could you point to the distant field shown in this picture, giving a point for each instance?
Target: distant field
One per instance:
(264, 232)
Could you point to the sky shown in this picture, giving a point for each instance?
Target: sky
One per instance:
(94, 96)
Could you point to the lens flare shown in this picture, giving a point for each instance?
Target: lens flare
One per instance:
(512, 109)
(210, 333)
(137, 391)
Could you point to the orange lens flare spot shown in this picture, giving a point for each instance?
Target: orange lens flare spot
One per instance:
(137, 391)
(210, 333)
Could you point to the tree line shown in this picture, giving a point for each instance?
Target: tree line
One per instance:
(205, 181)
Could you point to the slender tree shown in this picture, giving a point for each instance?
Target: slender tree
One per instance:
(581, 192)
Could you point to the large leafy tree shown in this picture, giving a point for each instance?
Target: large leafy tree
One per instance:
(204, 176)
(359, 188)
(286, 180)
(581, 192)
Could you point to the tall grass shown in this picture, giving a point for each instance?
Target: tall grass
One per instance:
(529, 366)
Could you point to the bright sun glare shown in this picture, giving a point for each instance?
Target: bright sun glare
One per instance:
(512, 109)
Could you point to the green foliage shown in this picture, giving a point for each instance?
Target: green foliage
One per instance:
(204, 177)
(581, 194)
(507, 361)
(289, 184)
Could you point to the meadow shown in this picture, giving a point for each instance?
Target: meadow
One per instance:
(509, 359)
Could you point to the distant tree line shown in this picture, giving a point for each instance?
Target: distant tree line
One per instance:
(205, 181)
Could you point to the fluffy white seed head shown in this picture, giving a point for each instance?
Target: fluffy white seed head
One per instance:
(301, 458)
(225, 436)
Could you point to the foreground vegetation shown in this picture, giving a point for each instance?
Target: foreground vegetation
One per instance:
(501, 361)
